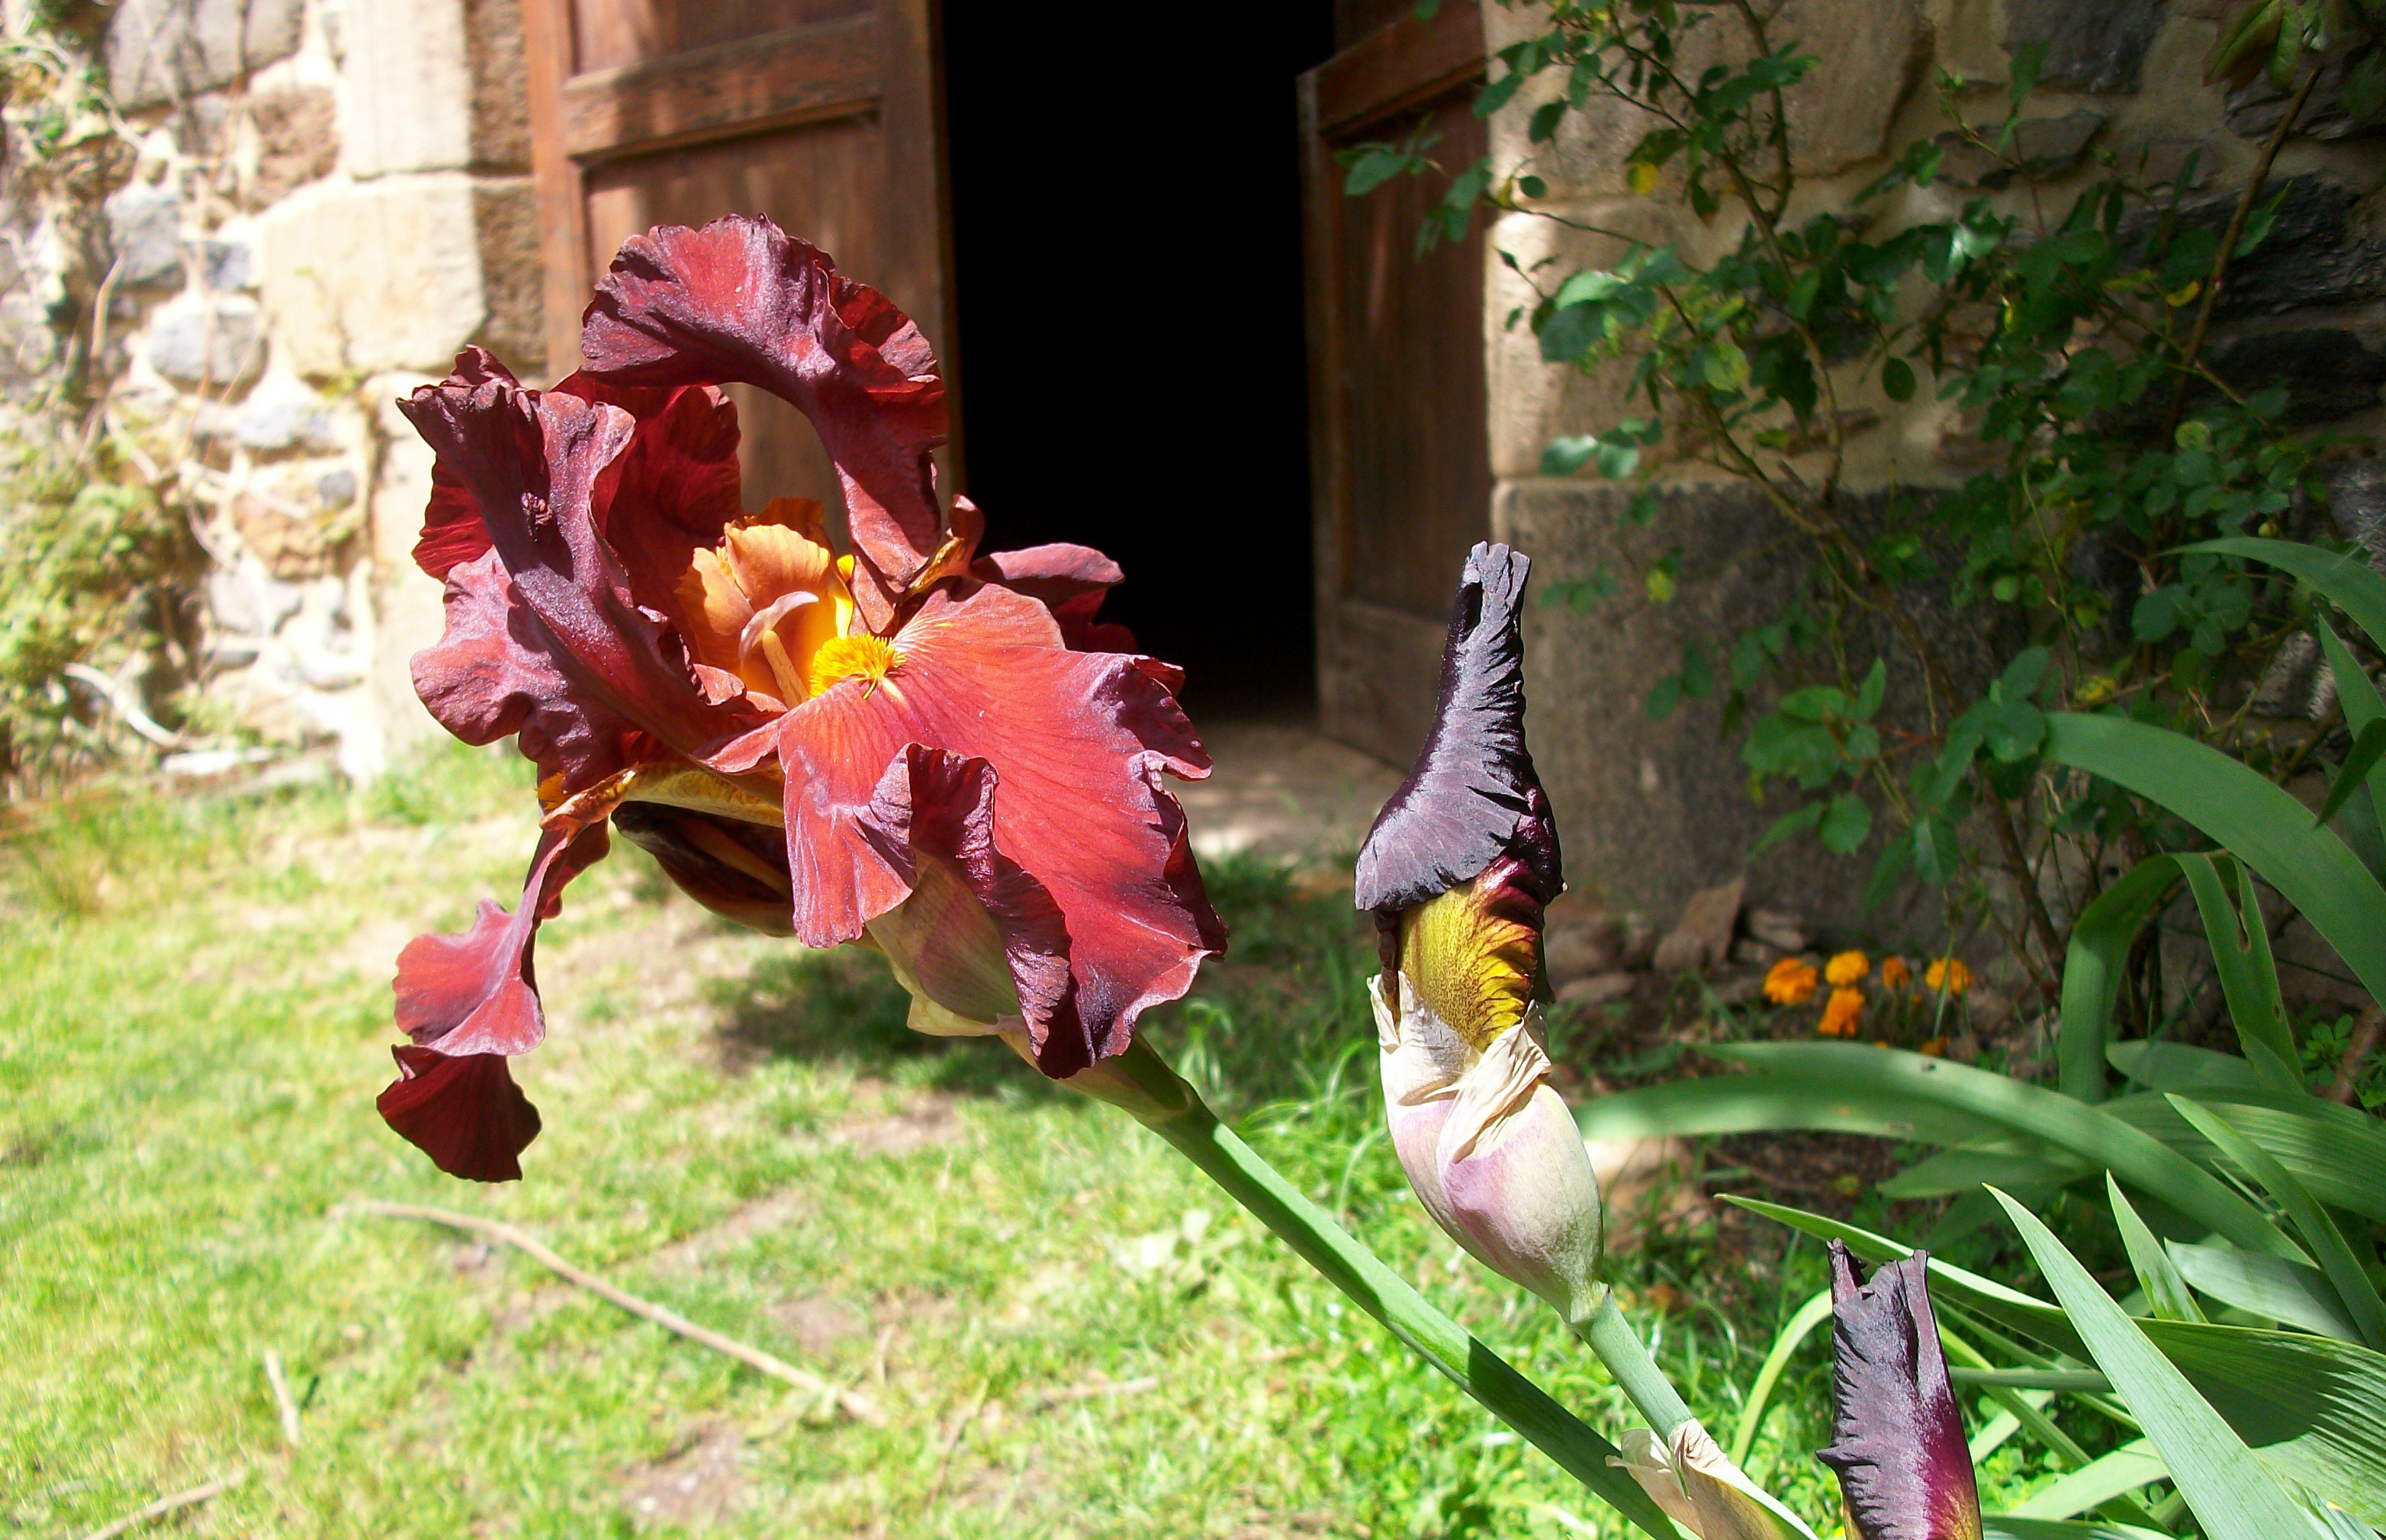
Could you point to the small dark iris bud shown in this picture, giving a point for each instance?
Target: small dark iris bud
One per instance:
(1905, 1472)
(1457, 870)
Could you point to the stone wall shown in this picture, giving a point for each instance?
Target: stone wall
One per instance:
(1652, 811)
(329, 198)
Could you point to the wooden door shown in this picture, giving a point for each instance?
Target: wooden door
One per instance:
(825, 115)
(1400, 459)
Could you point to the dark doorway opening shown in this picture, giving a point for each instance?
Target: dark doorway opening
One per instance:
(1127, 290)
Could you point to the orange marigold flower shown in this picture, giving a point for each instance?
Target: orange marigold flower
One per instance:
(1790, 982)
(1842, 1013)
(1947, 974)
(1895, 973)
(1936, 1047)
(1845, 968)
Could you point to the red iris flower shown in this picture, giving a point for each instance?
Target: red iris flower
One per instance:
(939, 754)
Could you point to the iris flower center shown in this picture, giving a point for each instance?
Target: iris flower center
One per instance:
(866, 658)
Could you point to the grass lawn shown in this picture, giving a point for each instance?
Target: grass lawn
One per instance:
(1070, 1334)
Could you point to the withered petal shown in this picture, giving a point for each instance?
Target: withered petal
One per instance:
(464, 1111)
(1898, 1431)
(1472, 796)
(740, 300)
(736, 870)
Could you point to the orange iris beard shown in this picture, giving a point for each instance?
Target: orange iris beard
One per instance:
(939, 750)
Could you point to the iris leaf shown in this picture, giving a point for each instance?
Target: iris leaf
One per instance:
(2166, 1293)
(2292, 1294)
(2232, 1494)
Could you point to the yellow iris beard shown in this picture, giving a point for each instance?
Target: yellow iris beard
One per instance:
(1471, 967)
(865, 658)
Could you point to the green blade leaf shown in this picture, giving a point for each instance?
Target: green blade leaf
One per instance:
(2249, 979)
(2338, 1154)
(2346, 579)
(2321, 1238)
(2368, 748)
(1760, 1395)
(2012, 1526)
(1766, 1103)
(2261, 824)
(2314, 1408)
(1892, 1077)
(2092, 968)
(2006, 1162)
(2293, 1293)
(2166, 1293)
(2232, 1494)
(2124, 1470)
(2362, 707)
(2181, 1067)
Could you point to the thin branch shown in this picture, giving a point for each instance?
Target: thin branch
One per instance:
(671, 1320)
(283, 1400)
(2365, 1043)
(163, 1506)
(2237, 218)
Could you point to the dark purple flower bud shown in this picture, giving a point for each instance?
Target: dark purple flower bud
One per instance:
(1904, 1468)
(1472, 796)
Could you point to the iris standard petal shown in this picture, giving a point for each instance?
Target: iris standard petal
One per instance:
(740, 300)
(1472, 794)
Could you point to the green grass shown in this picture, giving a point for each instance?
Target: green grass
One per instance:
(196, 1023)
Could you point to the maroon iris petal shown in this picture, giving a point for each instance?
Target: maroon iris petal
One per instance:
(1079, 743)
(470, 998)
(464, 1112)
(1897, 1443)
(740, 300)
(1070, 581)
(1472, 796)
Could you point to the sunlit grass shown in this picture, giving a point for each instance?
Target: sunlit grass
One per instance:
(195, 1021)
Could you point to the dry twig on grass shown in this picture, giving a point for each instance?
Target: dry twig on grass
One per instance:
(854, 1404)
(164, 1505)
(283, 1400)
(1096, 1390)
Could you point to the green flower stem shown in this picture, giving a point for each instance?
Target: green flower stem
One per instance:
(1164, 1104)
(1627, 1356)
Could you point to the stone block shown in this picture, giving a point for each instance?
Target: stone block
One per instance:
(217, 343)
(2098, 46)
(145, 231)
(1872, 53)
(297, 141)
(1652, 811)
(504, 223)
(500, 105)
(284, 413)
(1530, 400)
(1701, 938)
(2043, 147)
(2325, 370)
(405, 87)
(378, 275)
(226, 266)
(159, 51)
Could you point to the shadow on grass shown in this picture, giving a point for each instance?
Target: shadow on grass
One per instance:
(1265, 1023)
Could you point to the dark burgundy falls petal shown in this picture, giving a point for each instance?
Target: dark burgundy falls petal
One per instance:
(1079, 744)
(932, 821)
(1472, 796)
(535, 465)
(1898, 1432)
(477, 993)
(738, 871)
(740, 300)
(1070, 581)
(494, 672)
(466, 1113)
